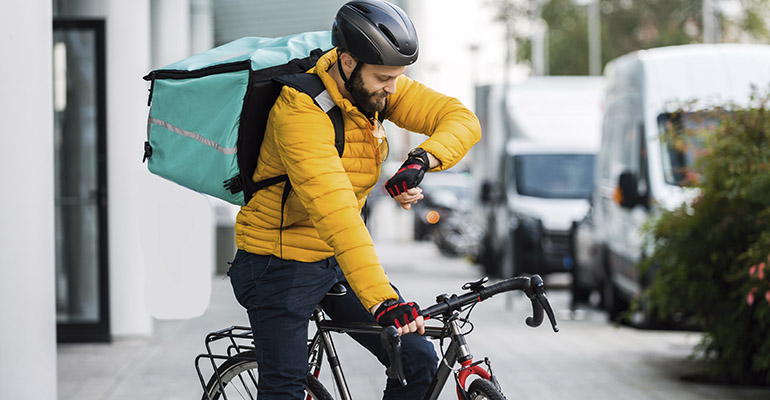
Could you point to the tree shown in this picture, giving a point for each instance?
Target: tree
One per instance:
(626, 26)
(711, 256)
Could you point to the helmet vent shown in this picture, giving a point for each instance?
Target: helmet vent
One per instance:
(389, 34)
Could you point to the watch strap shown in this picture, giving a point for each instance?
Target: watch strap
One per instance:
(420, 153)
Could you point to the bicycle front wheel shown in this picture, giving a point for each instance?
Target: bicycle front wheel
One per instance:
(238, 378)
(482, 389)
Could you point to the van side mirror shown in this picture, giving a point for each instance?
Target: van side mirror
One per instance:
(627, 192)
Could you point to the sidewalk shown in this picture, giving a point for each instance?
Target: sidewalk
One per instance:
(588, 359)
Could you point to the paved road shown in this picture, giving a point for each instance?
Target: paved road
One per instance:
(588, 359)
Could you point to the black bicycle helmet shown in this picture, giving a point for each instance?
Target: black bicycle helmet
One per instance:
(376, 32)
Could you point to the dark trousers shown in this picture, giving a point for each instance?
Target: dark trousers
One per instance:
(279, 297)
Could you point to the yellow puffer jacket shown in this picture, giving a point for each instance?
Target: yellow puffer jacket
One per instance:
(322, 214)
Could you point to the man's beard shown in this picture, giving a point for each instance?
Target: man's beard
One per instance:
(366, 101)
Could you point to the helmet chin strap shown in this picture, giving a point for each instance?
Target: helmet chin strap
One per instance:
(348, 85)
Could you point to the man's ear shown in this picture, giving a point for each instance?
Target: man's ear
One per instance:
(348, 62)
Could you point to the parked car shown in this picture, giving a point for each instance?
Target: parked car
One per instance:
(587, 272)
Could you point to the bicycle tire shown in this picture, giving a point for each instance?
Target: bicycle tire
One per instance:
(243, 367)
(482, 389)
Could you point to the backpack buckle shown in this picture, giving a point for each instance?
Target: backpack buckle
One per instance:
(234, 184)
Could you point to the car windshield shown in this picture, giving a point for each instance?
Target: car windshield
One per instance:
(684, 137)
(554, 176)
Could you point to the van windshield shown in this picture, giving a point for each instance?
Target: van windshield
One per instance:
(684, 136)
(554, 176)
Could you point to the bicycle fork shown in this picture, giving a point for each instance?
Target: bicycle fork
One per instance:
(467, 366)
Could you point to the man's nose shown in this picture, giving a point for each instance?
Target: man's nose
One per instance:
(390, 88)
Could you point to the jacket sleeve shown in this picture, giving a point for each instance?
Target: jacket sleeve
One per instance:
(305, 139)
(452, 128)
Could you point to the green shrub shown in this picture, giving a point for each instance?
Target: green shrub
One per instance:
(712, 256)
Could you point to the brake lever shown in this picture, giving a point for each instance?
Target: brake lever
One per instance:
(391, 341)
(548, 310)
(540, 304)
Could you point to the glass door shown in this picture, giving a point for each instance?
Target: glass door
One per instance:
(82, 304)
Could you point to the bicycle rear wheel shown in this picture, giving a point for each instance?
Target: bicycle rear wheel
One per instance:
(482, 389)
(239, 378)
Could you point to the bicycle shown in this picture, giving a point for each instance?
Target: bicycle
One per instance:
(237, 373)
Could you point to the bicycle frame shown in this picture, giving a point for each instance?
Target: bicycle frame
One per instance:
(458, 349)
(447, 309)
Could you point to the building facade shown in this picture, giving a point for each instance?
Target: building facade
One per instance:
(92, 246)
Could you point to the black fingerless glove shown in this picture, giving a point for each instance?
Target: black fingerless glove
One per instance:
(408, 176)
(396, 313)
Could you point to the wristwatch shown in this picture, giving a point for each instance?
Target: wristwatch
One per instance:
(385, 304)
(420, 153)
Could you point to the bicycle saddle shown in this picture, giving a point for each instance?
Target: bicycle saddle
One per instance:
(337, 290)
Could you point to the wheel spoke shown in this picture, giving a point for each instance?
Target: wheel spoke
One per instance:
(239, 380)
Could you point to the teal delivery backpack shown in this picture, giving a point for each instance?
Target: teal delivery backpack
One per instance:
(208, 112)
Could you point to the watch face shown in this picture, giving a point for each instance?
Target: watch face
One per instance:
(417, 152)
(389, 302)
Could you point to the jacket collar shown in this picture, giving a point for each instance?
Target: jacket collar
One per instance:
(321, 69)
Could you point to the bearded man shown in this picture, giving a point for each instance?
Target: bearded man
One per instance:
(292, 250)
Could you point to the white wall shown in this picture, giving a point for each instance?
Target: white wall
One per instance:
(128, 59)
(170, 31)
(201, 25)
(27, 312)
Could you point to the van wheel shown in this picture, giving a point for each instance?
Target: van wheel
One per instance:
(611, 300)
(612, 304)
(580, 294)
(645, 318)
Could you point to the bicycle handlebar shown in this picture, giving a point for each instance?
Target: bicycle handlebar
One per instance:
(532, 286)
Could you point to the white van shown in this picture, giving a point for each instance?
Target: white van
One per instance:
(545, 190)
(636, 171)
(542, 175)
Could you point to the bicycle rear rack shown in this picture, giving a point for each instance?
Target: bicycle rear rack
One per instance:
(237, 340)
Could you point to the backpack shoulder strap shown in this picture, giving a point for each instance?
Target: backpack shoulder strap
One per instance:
(312, 85)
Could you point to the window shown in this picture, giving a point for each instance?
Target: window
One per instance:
(684, 136)
(80, 181)
(554, 176)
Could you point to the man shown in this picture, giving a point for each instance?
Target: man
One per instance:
(291, 254)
